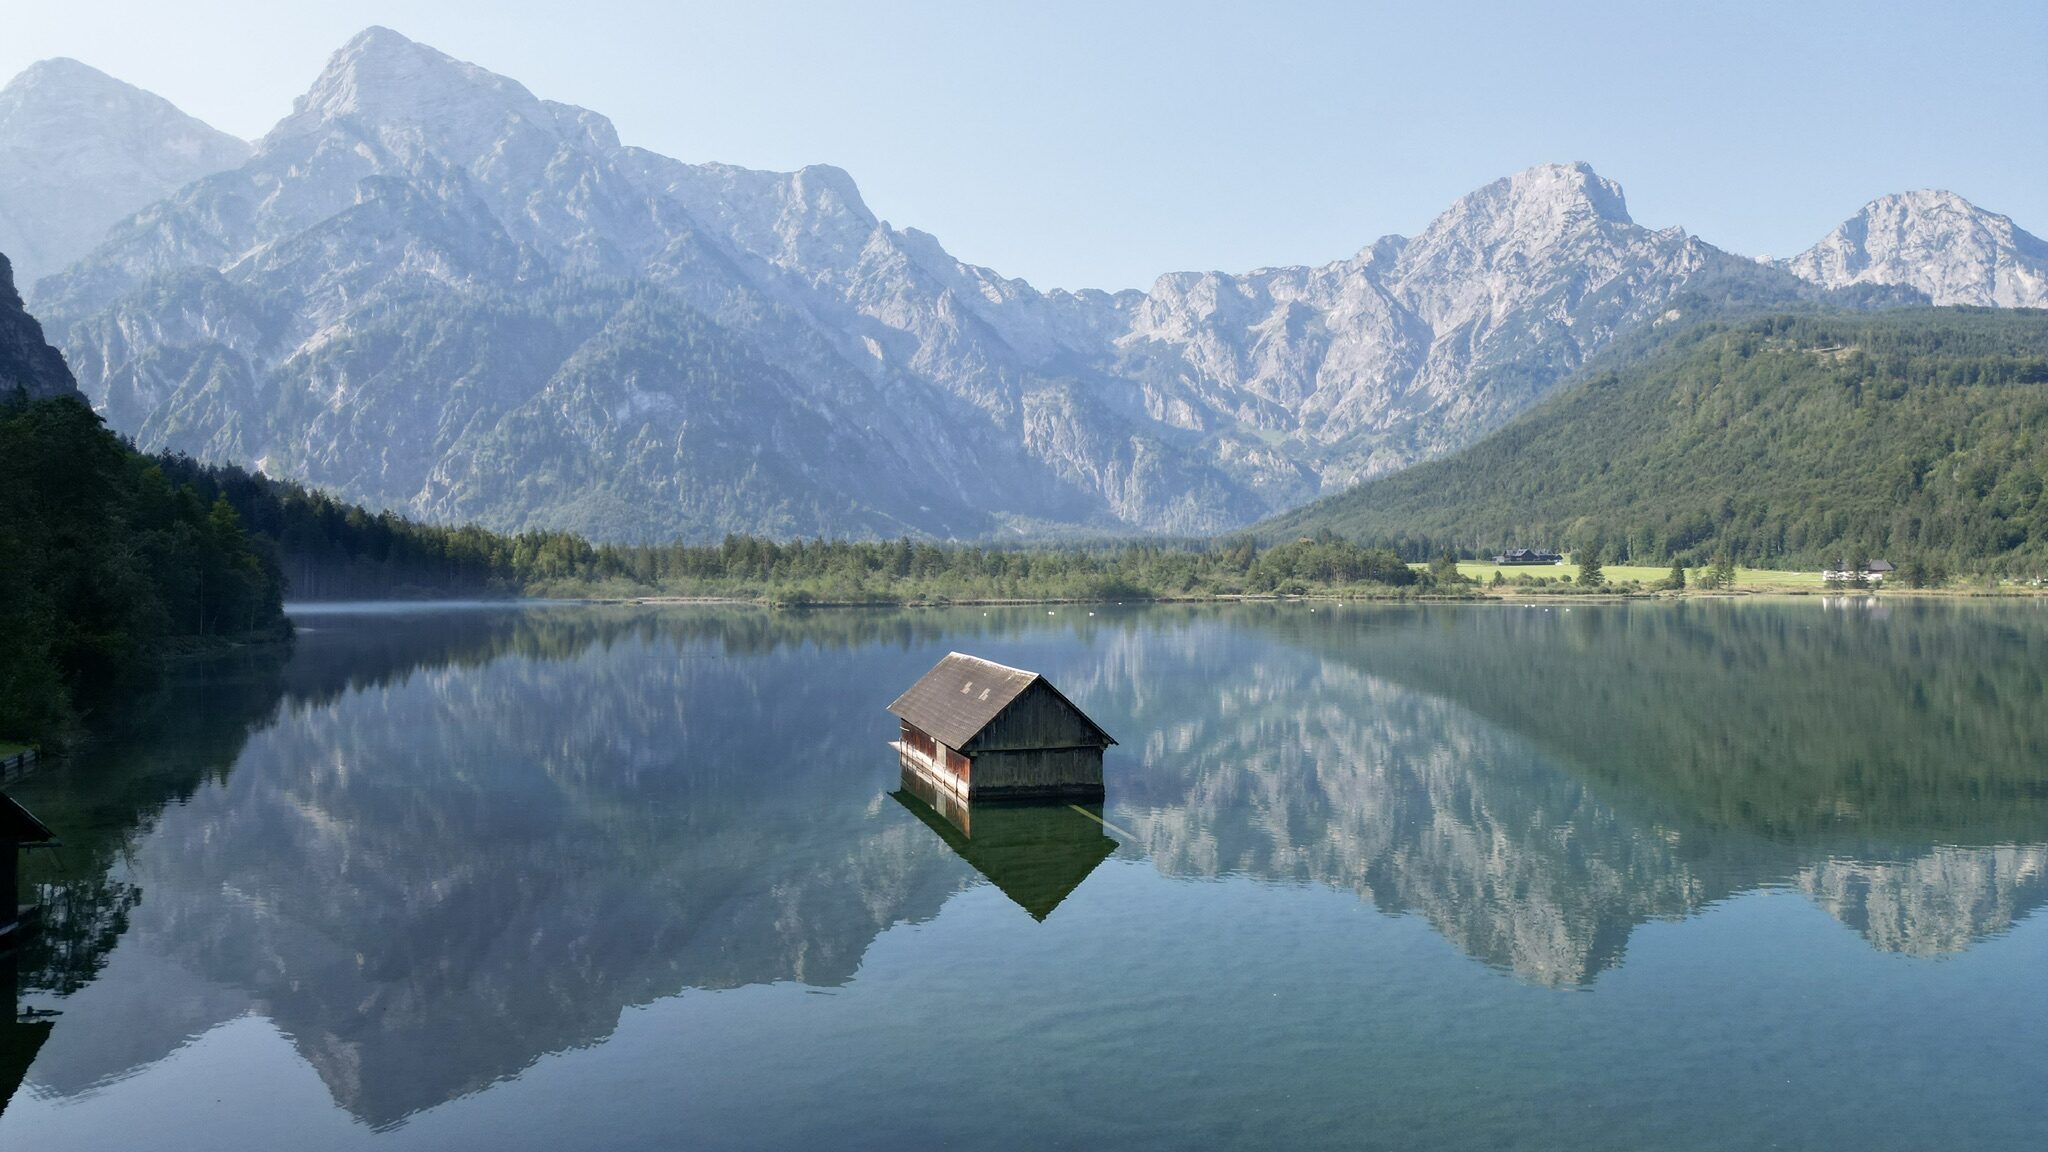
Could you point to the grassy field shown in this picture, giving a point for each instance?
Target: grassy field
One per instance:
(1759, 578)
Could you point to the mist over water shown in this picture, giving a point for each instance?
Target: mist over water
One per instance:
(1682, 875)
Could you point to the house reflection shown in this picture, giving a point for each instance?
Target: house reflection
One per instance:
(1036, 854)
(20, 1039)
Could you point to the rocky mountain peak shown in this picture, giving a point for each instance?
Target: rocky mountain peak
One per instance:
(1929, 200)
(72, 87)
(80, 150)
(61, 77)
(826, 188)
(1565, 189)
(1542, 201)
(380, 74)
(70, 107)
(1938, 242)
(1547, 229)
(1538, 213)
(402, 90)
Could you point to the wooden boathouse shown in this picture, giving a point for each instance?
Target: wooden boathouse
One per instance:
(986, 731)
(18, 830)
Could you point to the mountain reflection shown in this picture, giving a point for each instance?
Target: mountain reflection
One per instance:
(1535, 784)
(434, 848)
(446, 866)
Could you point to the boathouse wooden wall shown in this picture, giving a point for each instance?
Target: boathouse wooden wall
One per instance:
(1072, 773)
(1037, 719)
(920, 744)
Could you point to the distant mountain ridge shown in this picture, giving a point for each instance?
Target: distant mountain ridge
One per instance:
(428, 289)
(79, 150)
(1935, 242)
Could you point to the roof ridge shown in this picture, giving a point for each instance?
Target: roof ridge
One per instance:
(991, 663)
(963, 693)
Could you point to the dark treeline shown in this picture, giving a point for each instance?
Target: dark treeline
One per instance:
(112, 557)
(892, 571)
(329, 549)
(106, 558)
(332, 550)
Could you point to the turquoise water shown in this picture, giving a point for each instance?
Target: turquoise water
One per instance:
(1692, 876)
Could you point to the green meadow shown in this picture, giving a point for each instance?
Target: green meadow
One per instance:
(1757, 578)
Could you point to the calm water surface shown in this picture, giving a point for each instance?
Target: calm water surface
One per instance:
(1695, 876)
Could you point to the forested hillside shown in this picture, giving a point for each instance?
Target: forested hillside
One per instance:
(1785, 441)
(105, 561)
(330, 550)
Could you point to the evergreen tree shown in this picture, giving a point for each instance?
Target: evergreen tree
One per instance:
(1676, 581)
(1591, 575)
(1920, 572)
(1724, 570)
(106, 562)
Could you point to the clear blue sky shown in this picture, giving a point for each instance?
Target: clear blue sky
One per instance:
(1100, 144)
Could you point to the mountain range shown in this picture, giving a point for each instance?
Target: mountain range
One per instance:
(429, 290)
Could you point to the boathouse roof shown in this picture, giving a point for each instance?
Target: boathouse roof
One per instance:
(18, 826)
(963, 694)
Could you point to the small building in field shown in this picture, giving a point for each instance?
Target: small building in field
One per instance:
(986, 731)
(1872, 572)
(1528, 556)
(18, 830)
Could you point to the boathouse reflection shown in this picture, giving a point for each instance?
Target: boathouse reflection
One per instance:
(20, 1039)
(1034, 853)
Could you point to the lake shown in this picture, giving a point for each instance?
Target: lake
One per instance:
(1693, 875)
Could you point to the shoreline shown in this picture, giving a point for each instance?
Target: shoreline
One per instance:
(1476, 595)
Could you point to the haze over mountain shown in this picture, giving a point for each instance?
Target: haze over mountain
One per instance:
(80, 150)
(428, 289)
